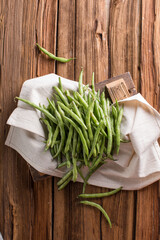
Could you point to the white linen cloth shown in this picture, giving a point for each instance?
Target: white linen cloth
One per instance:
(138, 163)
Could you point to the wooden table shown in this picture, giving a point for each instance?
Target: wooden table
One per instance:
(109, 37)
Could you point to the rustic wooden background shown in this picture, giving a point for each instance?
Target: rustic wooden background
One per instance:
(108, 37)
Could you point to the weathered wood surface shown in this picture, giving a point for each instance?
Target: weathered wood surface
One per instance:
(109, 37)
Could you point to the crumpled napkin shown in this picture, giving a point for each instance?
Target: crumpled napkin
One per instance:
(138, 163)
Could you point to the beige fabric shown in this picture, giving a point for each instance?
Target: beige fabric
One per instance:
(138, 163)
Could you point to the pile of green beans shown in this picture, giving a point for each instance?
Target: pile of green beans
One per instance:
(83, 129)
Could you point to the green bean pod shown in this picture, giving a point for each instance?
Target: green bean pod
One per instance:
(62, 130)
(100, 195)
(64, 184)
(81, 83)
(80, 134)
(65, 177)
(93, 86)
(68, 160)
(55, 135)
(96, 137)
(62, 96)
(50, 134)
(59, 59)
(72, 114)
(74, 155)
(110, 137)
(99, 208)
(88, 122)
(117, 130)
(69, 139)
(46, 113)
(97, 162)
(60, 85)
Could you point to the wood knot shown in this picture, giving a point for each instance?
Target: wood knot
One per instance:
(116, 2)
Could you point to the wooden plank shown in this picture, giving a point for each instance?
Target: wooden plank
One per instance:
(15, 185)
(62, 227)
(26, 208)
(92, 55)
(124, 39)
(123, 55)
(46, 32)
(147, 217)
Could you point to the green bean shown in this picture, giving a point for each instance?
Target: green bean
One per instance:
(78, 145)
(80, 134)
(100, 195)
(71, 99)
(99, 208)
(93, 87)
(96, 110)
(69, 138)
(102, 115)
(65, 177)
(72, 114)
(108, 106)
(104, 104)
(85, 87)
(52, 151)
(57, 97)
(55, 135)
(89, 175)
(112, 125)
(62, 115)
(46, 113)
(58, 155)
(85, 158)
(65, 183)
(75, 95)
(86, 137)
(61, 126)
(124, 140)
(60, 85)
(80, 83)
(98, 147)
(76, 110)
(49, 141)
(74, 156)
(85, 105)
(114, 112)
(117, 106)
(68, 160)
(59, 59)
(57, 142)
(98, 160)
(98, 94)
(81, 100)
(96, 137)
(88, 123)
(61, 95)
(62, 164)
(110, 138)
(90, 98)
(80, 173)
(117, 129)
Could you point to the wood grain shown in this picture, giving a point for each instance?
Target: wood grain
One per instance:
(109, 37)
(147, 216)
(62, 208)
(26, 211)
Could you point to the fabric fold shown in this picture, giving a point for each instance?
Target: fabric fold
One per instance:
(138, 162)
